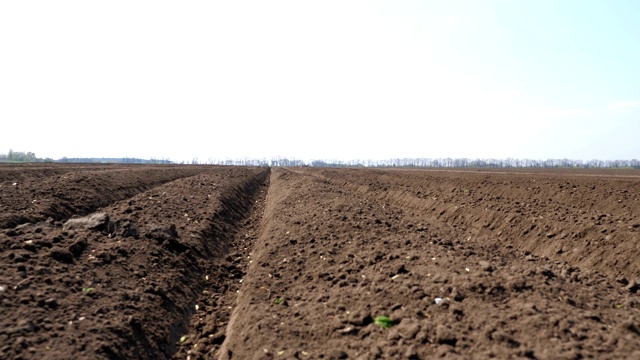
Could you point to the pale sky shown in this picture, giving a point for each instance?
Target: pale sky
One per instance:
(321, 79)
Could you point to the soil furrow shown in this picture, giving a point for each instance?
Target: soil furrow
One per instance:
(223, 277)
(126, 278)
(336, 258)
(536, 213)
(79, 192)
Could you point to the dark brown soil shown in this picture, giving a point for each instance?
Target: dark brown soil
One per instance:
(42, 192)
(121, 284)
(203, 263)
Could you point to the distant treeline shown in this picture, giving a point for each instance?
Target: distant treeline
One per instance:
(21, 156)
(17, 156)
(437, 163)
(113, 160)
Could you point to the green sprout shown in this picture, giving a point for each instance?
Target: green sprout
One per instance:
(87, 290)
(278, 301)
(183, 338)
(383, 321)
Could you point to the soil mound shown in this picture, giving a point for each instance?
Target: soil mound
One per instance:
(37, 197)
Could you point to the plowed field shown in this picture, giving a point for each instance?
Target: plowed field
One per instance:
(204, 262)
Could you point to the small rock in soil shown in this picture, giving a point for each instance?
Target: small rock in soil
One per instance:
(25, 326)
(218, 338)
(392, 334)
(51, 303)
(445, 336)
(375, 351)
(337, 354)
(162, 233)
(61, 255)
(128, 229)
(408, 328)
(401, 270)
(622, 280)
(78, 247)
(422, 337)
(360, 318)
(411, 353)
(485, 266)
(20, 343)
(97, 221)
(633, 286)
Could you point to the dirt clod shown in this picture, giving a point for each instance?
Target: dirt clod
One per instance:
(97, 221)
(61, 255)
